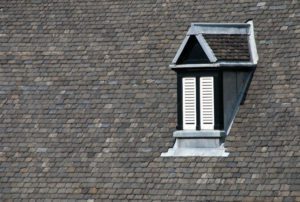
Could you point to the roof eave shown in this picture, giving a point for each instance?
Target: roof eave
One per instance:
(214, 65)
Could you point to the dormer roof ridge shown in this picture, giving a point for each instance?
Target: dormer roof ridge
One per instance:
(223, 43)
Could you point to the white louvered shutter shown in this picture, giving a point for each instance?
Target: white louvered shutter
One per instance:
(189, 103)
(207, 102)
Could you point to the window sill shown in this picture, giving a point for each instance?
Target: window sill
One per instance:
(205, 152)
(198, 133)
(198, 143)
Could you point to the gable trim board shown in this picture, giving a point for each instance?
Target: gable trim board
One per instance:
(219, 28)
(209, 53)
(203, 44)
(179, 51)
(198, 29)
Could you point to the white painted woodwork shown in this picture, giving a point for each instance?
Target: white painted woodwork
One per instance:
(189, 103)
(207, 103)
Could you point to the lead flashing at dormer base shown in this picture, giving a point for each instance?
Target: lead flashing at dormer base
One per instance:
(198, 143)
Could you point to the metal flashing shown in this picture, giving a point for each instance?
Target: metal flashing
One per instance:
(174, 66)
(219, 28)
(179, 151)
(198, 29)
(219, 24)
(204, 45)
(206, 48)
(178, 53)
(217, 64)
(198, 133)
(189, 152)
(252, 44)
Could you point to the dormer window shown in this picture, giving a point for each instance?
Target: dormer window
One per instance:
(214, 67)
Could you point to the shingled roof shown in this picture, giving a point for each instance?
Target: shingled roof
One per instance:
(228, 47)
(87, 103)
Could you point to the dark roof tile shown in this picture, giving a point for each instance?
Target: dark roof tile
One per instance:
(229, 47)
(88, 103)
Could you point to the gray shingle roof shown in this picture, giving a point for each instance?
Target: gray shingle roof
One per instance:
(87, 103)
(228, 47)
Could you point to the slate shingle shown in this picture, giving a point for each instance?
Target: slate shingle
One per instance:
(87, 84)
(229, 47)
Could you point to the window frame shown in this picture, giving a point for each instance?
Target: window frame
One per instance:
(218, 97)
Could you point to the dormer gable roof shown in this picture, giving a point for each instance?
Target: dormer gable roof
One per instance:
(217, 44)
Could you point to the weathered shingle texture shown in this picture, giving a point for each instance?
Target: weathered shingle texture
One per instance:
(88, 103)
(229, 47)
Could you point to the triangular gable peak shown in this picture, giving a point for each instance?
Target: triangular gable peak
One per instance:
(194, 50)
(217, 44)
